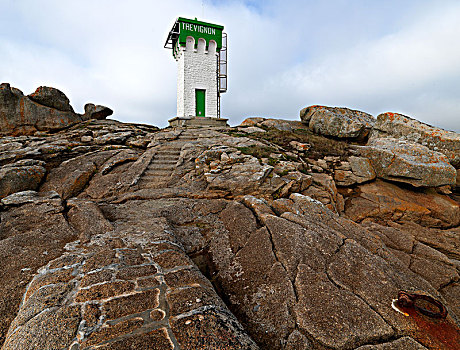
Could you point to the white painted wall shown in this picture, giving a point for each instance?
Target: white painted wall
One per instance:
(196, 69)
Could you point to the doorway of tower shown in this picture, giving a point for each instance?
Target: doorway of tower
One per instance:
(200, 102)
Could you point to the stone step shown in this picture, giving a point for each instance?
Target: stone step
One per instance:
(189, 138)
(165, 159)
(168, 152)
(156, 179)
(158, 171)
(168, 167)
(153, 184)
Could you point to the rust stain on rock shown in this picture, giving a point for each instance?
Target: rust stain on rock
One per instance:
(441, 334)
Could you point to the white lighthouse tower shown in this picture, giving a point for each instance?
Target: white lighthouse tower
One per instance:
(200, 50)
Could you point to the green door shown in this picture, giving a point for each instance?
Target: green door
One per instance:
(200, 102)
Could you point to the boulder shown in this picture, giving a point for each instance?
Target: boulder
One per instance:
(96, 112)
(356, 170)
(252, 121)
(408, 162)
(20, 115)
(337, 122)
(51, 97)
(403, 127)
(23, 175)
(280, 124)
(387, 202)
(283, 125)
(250, 129)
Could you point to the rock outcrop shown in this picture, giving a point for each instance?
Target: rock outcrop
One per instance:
(23, 175)
(120, 236)
(409, 162)
(47, 109)
(400, 126)
(51, 97)
(283, 125)
(337, 121)
(96, 112)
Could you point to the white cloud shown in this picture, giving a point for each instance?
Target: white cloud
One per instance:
(405, 71)
(283, 55)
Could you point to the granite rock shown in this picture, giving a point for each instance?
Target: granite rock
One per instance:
(96, 112)
(405, 128)
(408, 162)
(337, 122)
(51, 97)
(204, 238)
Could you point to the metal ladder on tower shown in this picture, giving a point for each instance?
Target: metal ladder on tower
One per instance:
(221, 71)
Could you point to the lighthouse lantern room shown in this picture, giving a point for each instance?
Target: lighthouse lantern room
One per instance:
(200, 50)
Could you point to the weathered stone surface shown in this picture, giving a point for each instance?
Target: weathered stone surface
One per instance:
(86, 217)
(257, 122)
(104, 291)
(405, 343)
(31, 234)
(325, 191)
(388, 202)
(96, 112)
(51, 329)
(337, 122)
(283, 125)
(152, 256)
(251, 129)
(297, 341)
(51, 97)
(110, 332)
(155, 340)
(73, 175)
(409, 162)
(21, 176)
(237, 173)
(44, 110)
(403, 127)
(212, 329)
(433, 266)
(338, 319)
(132, 304)
(361, 167)
(20, 115)
(252, 121)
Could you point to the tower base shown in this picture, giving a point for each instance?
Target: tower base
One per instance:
(198, 122)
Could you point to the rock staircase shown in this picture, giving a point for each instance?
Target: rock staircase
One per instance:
(158, 173)
(160, 169)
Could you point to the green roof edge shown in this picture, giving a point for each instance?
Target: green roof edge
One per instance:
(195, 21)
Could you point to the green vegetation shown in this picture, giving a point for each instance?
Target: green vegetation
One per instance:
(257, 151)
(284, 172)
(320, 145)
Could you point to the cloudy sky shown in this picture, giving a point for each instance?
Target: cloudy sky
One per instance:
(374, 56)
